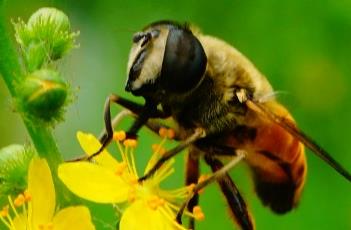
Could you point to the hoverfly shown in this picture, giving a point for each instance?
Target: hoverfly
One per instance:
(219, 101)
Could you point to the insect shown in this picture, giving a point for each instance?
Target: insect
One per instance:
(221, 104)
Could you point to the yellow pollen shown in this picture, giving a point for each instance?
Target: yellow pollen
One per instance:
(154, 202)
(163, 132)
(120, 168)
(4, 211)
(161, 202)
(198, 214)
(170, 133)
(158, 148)
(130, 143)
(19, 201)
(131, 195)
(132, 179)
(119, 136)
(27, 196)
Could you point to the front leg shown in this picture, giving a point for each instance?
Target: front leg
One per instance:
(198, 134)
(149, 110)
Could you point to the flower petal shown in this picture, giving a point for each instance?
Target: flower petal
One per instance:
(20, 222)
(140, 216)
(41, 188)
(93, 182)
(77, 218)
(91, 145)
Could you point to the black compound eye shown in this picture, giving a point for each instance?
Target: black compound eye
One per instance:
(184, 61)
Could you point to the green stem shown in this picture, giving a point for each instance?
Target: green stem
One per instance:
(13, 74)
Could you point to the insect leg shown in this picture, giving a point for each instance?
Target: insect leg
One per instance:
(145, 112)
(199, 133)
(192, 172)
(152, 124)
(220, 175)
(235, 201)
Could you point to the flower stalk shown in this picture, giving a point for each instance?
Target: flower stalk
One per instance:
(14, 74)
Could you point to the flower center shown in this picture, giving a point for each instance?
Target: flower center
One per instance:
(9, 212)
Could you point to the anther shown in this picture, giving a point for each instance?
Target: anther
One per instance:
(19, 201)
(27, 196)
(4, 211)
(119, 136)
(158, 148)
(130, 143)
(163, 132)
(131, 195)
(120, 168)
(170, 133)
(198, 214)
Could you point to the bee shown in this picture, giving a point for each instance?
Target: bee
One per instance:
(221, 104)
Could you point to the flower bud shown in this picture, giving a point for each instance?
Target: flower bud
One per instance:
(43, 94)
(14, 161)
(47, 28)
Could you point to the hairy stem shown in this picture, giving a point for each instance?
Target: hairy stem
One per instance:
(13, 74)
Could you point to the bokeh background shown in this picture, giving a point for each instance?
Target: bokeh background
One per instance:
(302, 46)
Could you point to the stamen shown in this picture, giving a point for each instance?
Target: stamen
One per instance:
(132, 195)
(198, 214)
(153, 202)
(130, 143)
(121, 152)
(133, 180)
(133, 162)
(163, 132)
(4, 213)
(158, 149)
(121, 168)
(27, 196)
(12, 207)
(19, 201)
(166, 133)
(119, 136)
(170, 134)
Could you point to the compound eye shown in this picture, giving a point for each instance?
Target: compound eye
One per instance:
(184, 61)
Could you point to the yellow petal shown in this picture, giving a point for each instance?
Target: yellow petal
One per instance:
(77, 218)
(91, 145)
(20, 222)
(93, 182)
(41, 188)
(139, 216)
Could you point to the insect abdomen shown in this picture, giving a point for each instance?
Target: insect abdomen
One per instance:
(277, 160)
(278, 163)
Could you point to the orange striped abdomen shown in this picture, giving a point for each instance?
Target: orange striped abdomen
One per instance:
(277, 160)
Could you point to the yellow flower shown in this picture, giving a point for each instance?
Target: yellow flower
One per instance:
(37, 206)
(148, 207)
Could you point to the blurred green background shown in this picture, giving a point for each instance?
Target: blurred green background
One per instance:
(303, 47)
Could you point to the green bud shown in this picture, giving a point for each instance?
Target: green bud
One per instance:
(14, 162)
(49, 30)
(43, 94)
(51, 17)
